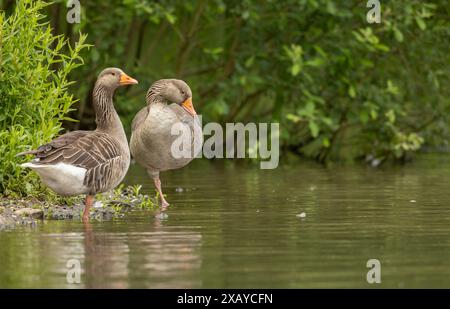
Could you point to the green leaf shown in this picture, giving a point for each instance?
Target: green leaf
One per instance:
(314, 128)
(364, 117)
(249, 62)
(316, 62)
(398, 35)
(382, 47)
(293, 118)
(374, 114)
(352, 92)
(295, 69)
(421, 23)
(331, 7)
(390, 115)
(171, 18)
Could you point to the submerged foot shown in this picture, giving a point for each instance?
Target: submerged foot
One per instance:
(164, 203)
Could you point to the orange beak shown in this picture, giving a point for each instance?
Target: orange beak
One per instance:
(126, 80)
(187, 105)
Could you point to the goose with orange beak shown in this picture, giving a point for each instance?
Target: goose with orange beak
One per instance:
(169, 109)
(88, 162)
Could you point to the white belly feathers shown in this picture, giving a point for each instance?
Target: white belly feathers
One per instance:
(64, 179)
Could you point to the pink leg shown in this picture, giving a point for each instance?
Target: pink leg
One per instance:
(87, 207)
(155, 176)
(157, 182)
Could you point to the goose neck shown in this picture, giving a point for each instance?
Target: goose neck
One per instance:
(106, 117)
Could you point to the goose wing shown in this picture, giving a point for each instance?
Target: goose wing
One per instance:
(139, 118)
(97, 152)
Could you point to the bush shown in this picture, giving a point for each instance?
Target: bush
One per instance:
(34, 68)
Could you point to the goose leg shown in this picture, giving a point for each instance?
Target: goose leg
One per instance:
(157, 182)
(87, 207)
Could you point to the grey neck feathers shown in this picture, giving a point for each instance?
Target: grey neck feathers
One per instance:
(106, 117)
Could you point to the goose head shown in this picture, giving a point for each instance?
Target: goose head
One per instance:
(172, 91)
(112, 78)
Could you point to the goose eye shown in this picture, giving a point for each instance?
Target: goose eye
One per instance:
(113, 74)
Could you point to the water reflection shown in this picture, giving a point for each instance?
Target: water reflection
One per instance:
(154, 256)
(238, 227)
(105, 253)
(151, 256)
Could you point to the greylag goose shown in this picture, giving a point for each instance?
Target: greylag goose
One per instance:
(88, 162)
(152, 138)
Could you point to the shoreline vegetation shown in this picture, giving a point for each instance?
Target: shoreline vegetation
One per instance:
(35, 65)
(29, 211)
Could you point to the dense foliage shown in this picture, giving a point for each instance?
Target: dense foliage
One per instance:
(33, 96)
(340, 87)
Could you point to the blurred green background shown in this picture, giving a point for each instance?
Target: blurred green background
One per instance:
(341, 88)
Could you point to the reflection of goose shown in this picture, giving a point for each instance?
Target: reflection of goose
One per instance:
(152, 139)
(171, 259)
(155, 256)
(88, 162)
(106, 258)
(149, 257)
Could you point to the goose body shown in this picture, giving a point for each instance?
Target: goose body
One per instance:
(82, 162)
(88, 162)
(151, 143)
(153, 134)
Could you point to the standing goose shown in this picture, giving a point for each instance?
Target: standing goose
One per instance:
(152, 139)
(88, 162)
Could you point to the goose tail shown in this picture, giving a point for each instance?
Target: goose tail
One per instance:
(24, 153)
(28, 164)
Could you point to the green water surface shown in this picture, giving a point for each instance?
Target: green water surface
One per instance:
(236, 226)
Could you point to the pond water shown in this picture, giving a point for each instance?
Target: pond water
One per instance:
(235, 226)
